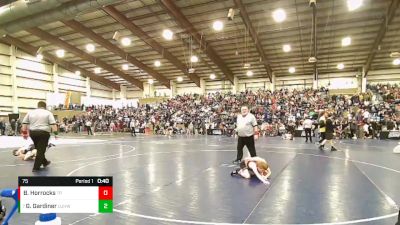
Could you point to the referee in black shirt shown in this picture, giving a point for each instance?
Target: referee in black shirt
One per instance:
(40, 123)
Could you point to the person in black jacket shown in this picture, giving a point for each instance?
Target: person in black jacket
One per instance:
(330, 129)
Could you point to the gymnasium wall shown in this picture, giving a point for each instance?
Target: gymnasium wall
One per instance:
(335, 81)
(391, 76)
(162, 91)
(133, 92)
(343, 80)
(253, 84)
(218, 86)
(5, 80)
(224, 86)
(34, 80)
(187, 88)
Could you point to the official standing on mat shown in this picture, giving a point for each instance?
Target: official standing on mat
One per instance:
(40, 123)
(307, 124)
(247, 131)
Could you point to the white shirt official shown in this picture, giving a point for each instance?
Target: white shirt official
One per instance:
(245, 125)
(39, 119)
(307, 123)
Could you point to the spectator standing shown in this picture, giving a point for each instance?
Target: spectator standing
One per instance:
(307, 124)
(88, 126)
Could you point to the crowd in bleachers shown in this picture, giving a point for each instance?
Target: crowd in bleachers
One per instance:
(279, 112)
(10, 128)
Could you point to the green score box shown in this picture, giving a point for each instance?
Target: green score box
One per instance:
(105, 206)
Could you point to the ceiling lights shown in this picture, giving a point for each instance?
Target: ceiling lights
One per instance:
(287, 48)
(97, 70)
(279, 15)
(396, 62)
(340, 66)
(167, 34)
(150, 81)
(212, 76)
(125, 66)
(179, 79)
(346, 41)
(354, 4)
(292, 69)
(194, 59)
(218, 25)
(249, 73)
(39, 56)
(60, 53)
(90, 47)
(77, 73)
(125, 41)
(157, 63)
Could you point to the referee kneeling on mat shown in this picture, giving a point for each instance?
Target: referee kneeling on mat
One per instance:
(246, 127)
(41, 122)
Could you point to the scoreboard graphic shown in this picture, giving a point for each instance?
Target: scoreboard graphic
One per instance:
(65, 194)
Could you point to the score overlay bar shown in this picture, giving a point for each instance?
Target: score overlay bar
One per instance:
(65, 194)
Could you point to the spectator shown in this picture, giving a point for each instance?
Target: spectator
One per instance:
(88, 125)
(2, 127)
(273, 109)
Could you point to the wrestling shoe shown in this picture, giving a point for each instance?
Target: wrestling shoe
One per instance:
(235, 172)
(237, 161)
(46, 164)
(333, 149)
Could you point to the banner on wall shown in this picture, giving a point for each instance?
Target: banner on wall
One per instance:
(67, 99)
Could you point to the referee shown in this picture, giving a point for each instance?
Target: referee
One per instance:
(247, 131)
(40, 122)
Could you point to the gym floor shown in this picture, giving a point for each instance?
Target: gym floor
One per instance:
(185, 180)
